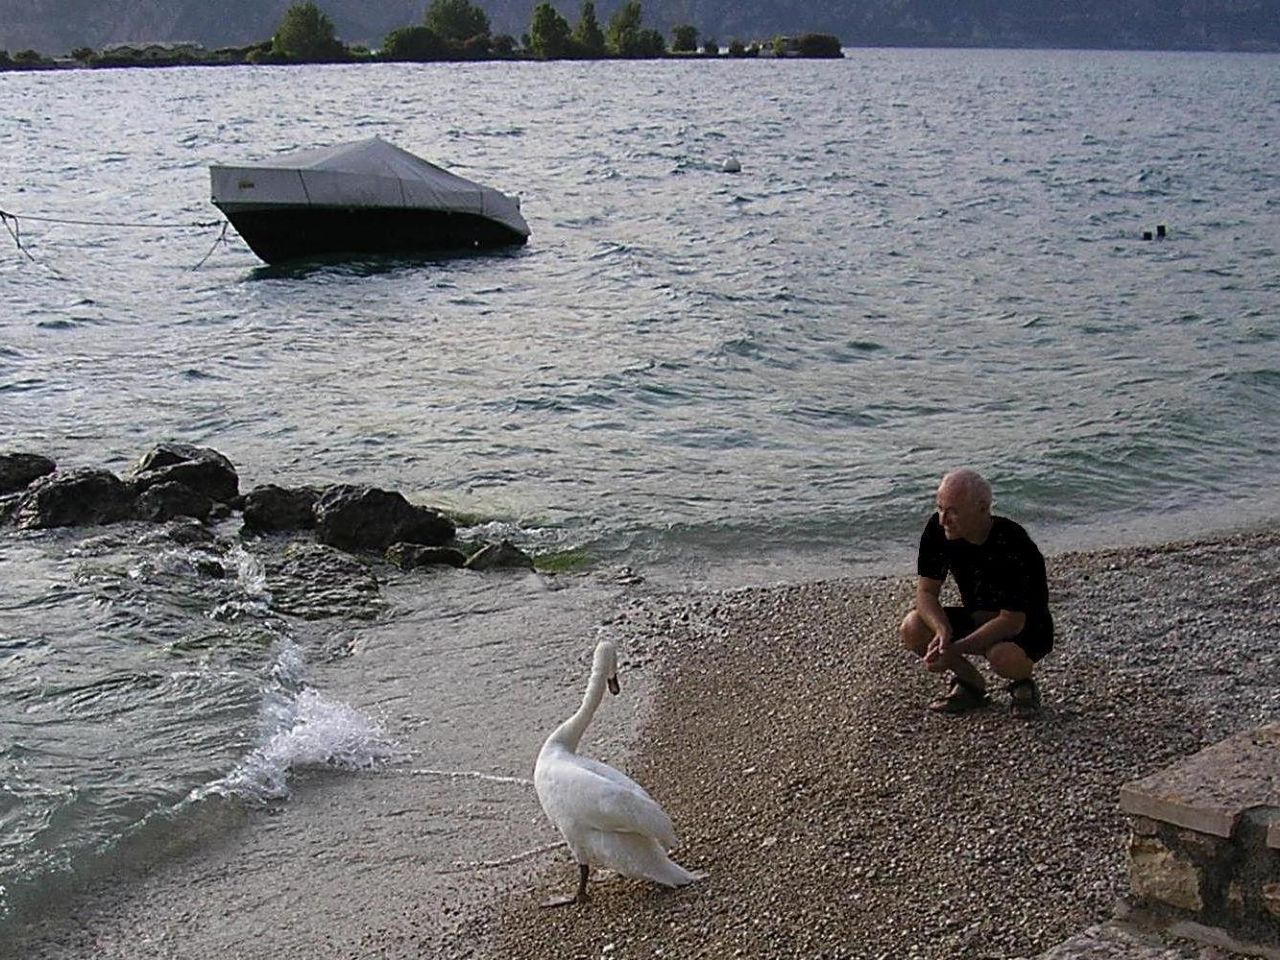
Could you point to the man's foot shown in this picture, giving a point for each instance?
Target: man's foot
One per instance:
(961, 697)
(1024, 699)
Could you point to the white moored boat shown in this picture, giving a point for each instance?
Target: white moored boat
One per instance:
(360, 198)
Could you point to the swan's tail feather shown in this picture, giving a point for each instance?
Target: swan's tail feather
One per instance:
(642, 858)
(678, 876)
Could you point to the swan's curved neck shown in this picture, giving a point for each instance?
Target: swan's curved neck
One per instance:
(569, 733)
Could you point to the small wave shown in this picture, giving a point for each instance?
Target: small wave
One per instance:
(22, 386)
(302, 729)
(250, 573)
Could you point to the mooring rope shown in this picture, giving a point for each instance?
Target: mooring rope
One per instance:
(15, 231)
(12, 223)
(220, 239)
(191, 225)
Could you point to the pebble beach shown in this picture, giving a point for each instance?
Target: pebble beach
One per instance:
(837, 817)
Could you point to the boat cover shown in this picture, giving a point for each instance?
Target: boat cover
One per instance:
(368, 173)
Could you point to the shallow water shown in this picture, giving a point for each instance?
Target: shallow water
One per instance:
(929, 257)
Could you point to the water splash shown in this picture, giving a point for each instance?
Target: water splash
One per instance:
(301, 728)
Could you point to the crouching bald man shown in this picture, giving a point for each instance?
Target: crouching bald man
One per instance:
(1004, 593)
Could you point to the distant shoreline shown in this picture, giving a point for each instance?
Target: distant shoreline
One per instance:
(219, 58)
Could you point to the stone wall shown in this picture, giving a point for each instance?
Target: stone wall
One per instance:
(1204, 853)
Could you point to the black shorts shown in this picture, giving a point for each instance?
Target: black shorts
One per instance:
(1036, 640)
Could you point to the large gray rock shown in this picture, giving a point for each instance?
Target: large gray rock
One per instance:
(74, 498)
(164, 501)
(270, 507)
(355, 517)
(20, 470)
(201, 468)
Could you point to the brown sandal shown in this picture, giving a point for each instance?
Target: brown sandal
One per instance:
(1024, 699)
(960, 698)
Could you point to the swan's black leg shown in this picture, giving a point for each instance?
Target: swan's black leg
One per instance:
(580, 897)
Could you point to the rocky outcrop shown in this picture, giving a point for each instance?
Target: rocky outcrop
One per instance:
(355, 517)
(187, 488)
(74, 498)
(203, 469)
(271, 508)
(19, 470)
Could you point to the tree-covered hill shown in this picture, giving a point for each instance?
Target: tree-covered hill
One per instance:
(58, 26)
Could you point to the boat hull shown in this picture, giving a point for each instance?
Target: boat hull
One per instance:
(280, 233)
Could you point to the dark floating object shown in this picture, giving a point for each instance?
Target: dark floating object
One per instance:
(368, 197)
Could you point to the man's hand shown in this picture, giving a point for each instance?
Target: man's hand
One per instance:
(937, 647)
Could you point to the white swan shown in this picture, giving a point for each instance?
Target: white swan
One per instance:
(607, 818)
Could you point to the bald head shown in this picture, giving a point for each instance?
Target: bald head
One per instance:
(969, 484)
(964, 505)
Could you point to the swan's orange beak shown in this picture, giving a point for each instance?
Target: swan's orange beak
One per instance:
(613, 684)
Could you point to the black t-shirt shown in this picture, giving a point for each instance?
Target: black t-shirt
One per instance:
(1005, 572)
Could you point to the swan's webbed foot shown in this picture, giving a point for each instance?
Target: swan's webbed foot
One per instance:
(580, 896)
(566, 900)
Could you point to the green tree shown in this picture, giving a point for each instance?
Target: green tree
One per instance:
(414, 44)
(737, 48)
(652, 44)
(587, 34)
(624, 30)
(456, 21)
(306, 33)
(684, 38)
(711, 48)
(819, 45)
(549, 36)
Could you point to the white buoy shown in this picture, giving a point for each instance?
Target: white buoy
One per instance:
(731, 165)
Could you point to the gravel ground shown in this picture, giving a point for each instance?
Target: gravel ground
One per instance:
(788, 739)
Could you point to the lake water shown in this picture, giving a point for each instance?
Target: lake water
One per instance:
(928, 258)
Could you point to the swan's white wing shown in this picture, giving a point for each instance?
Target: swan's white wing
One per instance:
(593, 795)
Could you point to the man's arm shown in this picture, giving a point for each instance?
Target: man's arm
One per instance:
(1003, 626)
(929, 607)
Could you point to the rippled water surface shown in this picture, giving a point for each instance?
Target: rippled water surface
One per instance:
(928, 258)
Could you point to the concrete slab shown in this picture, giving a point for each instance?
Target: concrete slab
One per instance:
(1210, 791)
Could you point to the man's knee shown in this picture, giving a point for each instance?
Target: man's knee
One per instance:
(1010, 661)
(915, 634)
